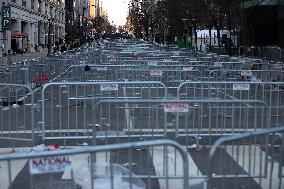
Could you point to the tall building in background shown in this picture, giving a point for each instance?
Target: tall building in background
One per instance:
(30, 22)
(77, 16)
(102, 11)
(97, 8)
(264, 22)
(94, 4)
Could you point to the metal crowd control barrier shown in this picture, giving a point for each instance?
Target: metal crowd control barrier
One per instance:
(16, 113)
(149, 62)
(33, 72)
(252, 160)
(171, 76)
(17, 74)
(167, 74)
(68, 108)
(115, 120)
(141, 165)
(270, 93)
(246, 75)
(187, 121)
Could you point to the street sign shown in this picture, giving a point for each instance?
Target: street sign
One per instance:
(156, 73)
(218, 64)
(102, 69)
(109, 87)
(187, 68)
(241, 87)
(152, 63)
(50, 164)
(246, 73)
(6, 17)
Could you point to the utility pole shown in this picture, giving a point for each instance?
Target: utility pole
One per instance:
(6, 24)
(49, 36)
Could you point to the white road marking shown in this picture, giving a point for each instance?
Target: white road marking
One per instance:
(129, 123)
(16, 167)
(83, 161)
(252, 160)
(174, 167)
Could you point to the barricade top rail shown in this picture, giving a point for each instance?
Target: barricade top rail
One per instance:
(93, 149)
(239, 70)
(16, 85)
(102, 82)
(242, 136)
(134, 66)
(257, 153)
(228, 82)
(181, 101)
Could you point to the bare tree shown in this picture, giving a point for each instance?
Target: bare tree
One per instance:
(200, 14)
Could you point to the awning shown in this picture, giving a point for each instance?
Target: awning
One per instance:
(19, 35)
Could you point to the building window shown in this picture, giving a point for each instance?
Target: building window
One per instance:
(46, 8)
(24, 3)
(32, 4)
(39, 6)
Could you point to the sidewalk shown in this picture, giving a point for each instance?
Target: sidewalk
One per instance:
(22, 57)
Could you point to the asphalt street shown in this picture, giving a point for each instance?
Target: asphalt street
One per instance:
(127, 102)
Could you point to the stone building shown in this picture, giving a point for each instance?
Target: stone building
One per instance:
(263, 22)
(77, 16)
(32, 22)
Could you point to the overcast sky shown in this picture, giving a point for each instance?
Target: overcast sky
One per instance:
(117, 10)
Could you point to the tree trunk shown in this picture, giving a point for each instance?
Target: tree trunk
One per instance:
(49, 37)
(195, 33)
(210, 38)
(218, 38)
(230, 30)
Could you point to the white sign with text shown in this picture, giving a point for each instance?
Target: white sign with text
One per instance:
(109, 87)
(176, 107)
(50, 164)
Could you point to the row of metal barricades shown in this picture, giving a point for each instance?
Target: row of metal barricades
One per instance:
(143, 117)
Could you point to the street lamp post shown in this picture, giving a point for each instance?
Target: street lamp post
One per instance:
(51, 21)
(49, 37)
(165, 31)
(185, 29)
(155, 29)
(195, 33)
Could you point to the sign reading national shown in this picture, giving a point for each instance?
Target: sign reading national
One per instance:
(176, 107)
(50, 164)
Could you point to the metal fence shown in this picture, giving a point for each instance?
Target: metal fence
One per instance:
(124, 92)
(269, 53)
(269, 92)
(69, 107)
(131, 119)
(16, 114)
(246, 75)
(256, 156)
(142, 165)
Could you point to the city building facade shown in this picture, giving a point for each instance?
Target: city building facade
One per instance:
(33, 25)
(264, 22)
(94, 11)
(77, 17)
(97, 8)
